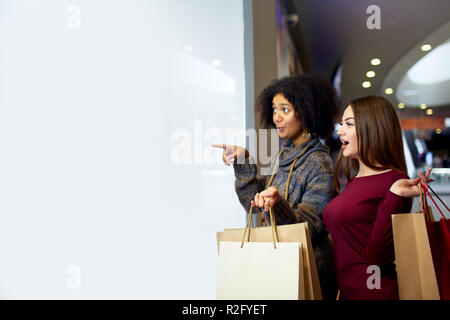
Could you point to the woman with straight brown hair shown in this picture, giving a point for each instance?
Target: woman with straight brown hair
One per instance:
(359, 218)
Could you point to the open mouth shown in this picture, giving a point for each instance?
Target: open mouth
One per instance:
(344, 143)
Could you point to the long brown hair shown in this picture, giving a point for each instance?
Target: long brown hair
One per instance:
(380, 143)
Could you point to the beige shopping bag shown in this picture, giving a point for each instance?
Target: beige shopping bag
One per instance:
(298, 232)
(414, 263)
(258, 271)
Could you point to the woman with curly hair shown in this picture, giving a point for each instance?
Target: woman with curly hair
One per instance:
(302, 108)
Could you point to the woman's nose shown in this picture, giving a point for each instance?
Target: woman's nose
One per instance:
(276, 117)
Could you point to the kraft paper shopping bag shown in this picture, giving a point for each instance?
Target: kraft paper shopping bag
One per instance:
(414, 263)
(298, 232)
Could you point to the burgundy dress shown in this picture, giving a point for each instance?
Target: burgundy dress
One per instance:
(360, 225)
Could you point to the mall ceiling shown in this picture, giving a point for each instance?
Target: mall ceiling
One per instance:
(333, 32)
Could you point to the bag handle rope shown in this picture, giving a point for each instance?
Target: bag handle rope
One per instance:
(272, 216)
(287, 183)
(423, 206)
(249, 227)
(429, 187)
(289, 176)
(426, 192)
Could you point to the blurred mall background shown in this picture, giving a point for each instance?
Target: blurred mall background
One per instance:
(406, 59)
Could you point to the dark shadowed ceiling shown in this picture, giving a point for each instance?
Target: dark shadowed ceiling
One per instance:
(333, 32)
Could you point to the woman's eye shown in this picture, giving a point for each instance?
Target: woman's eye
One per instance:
(285, 110)
(349, 124)
(274, 110)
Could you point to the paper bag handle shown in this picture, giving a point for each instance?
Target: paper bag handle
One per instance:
(249, 227)
(429, 187)
(423, 205)
(426, 192)
(286, 192)
(289, 176)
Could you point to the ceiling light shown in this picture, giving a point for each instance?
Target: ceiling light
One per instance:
(426, 47)
(389, 91)
(370, 74)
(429, 112)
(401, 105)
(366, 84)
(375, 62)
(423, 106)
(432, 68)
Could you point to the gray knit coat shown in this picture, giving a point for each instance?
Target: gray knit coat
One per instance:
(310, 190)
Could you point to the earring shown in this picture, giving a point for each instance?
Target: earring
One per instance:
(307, 135)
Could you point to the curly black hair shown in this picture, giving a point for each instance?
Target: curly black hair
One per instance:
(313, 99)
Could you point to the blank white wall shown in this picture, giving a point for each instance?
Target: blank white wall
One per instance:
(108, 188)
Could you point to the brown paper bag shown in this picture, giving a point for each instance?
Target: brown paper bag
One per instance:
(298, 232)
(414, 263)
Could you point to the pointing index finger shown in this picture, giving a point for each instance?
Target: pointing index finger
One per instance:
(218, 145)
